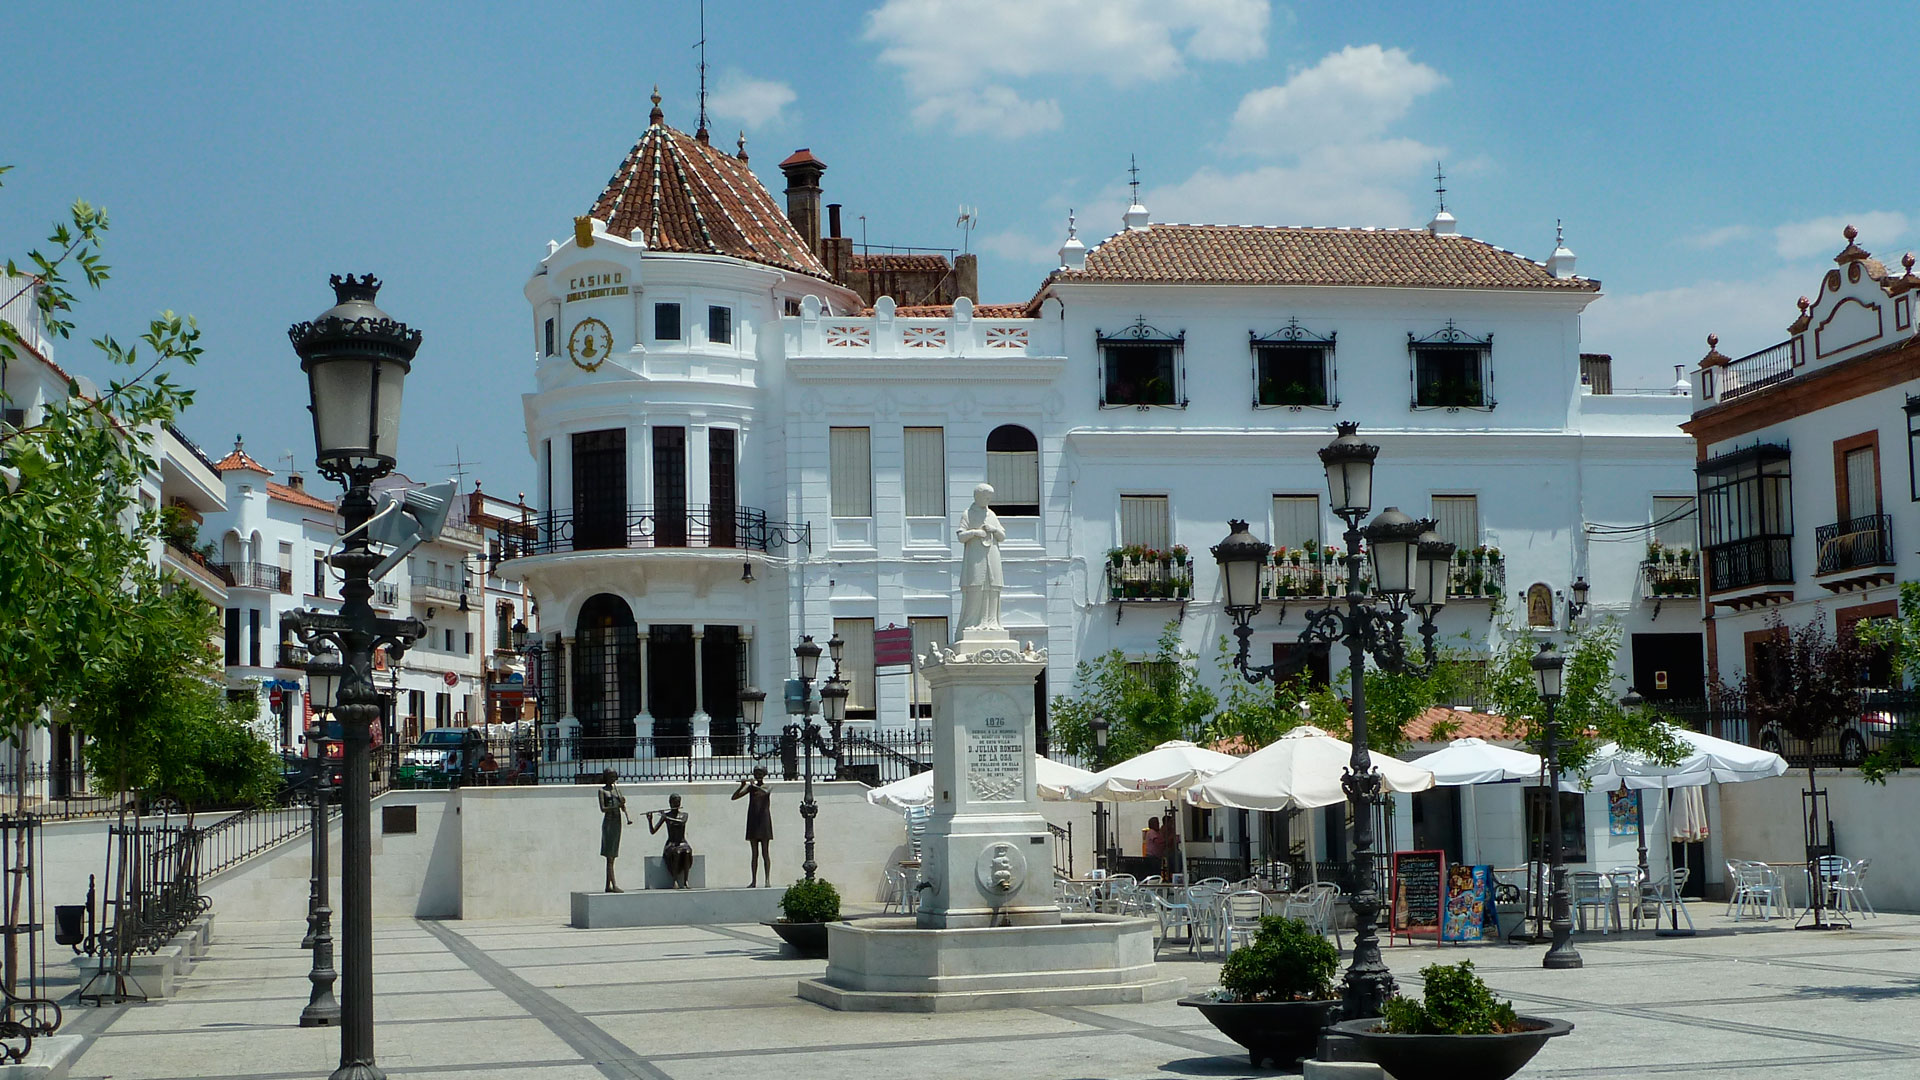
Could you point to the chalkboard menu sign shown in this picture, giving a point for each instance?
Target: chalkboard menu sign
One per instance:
(1417, 891)
(1469, 913)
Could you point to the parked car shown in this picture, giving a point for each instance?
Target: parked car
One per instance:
(437, 753)
(1874, 727)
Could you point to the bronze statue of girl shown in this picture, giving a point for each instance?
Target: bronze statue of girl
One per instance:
(677, 854)
(759, 824)
(613, 807)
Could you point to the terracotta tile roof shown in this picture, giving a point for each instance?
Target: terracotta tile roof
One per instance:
(1287, 255)
(1465, 724)
(927, 264)
(239, 459)
(684, 195)
(945, 311)
(297, 497)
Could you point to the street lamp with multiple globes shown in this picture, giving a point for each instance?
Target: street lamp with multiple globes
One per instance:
(1549, 669)
(1410, 564)
(356, 359)
(323, 680)
(833, 702)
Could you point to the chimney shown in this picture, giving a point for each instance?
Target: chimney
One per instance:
(1560, 263)
(833, 220)
(803, 171)
(297, 482)
(966, 276)
(1443, 224)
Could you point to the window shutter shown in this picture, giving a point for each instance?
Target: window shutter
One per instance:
(1143, 520)
(1863, 494)
(856, 667)
(850, 465)
(1459, 518)
(1296, 520)
(927, 632)
(924, 453)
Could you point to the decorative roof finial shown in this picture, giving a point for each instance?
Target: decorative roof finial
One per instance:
(1806, 303)
(742, 155)
(1133, 170)
(1559, 234)
(1906, 261)
(656, 115)
(1850, 232)
(1072, 232)
(700, 131)
(1713, 341)
(1440, 186)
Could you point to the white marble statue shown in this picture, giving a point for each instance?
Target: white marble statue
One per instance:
(980, 576)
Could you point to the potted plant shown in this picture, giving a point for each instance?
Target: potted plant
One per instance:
(1460, 1029)
(1276, 993)
(1116, 556)
(806, 908)
(1179, 552)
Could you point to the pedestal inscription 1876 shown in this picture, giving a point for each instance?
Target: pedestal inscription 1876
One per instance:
(996, 765)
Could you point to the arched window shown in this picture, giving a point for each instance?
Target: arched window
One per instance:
(1013, 468)
(606, 676)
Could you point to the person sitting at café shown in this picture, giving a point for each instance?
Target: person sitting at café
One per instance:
(1152, 841)
(489, 768)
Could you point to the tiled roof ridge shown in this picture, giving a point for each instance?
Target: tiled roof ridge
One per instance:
(238, 458)
(1411, 230)
(297, 497)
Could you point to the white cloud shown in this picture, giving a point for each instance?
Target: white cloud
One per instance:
(1822, 235)
(997, 110)
(1018, 247)
(1340, 185)
(754, 101)
(956, 55)
(1354, 94)
(1720, 237)
(1649, 332)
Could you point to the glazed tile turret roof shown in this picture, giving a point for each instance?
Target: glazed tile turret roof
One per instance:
(682, 194)
(1286, 255)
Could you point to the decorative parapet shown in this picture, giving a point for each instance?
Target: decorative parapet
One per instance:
(816, 334)
(1013, 652)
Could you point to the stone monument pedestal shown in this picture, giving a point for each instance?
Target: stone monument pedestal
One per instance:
(988, 933)
(655, 867)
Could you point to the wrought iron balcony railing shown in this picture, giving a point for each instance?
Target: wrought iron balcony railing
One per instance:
(1672, 574)
(427, 588)
(1756, 370)
(1852, 544)
(246, 575)
(1137, 578)
(1757, 560)
(741, 528)
(1307, 575)
(1477, 575)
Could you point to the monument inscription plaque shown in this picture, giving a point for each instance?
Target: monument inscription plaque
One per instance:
(996, 769)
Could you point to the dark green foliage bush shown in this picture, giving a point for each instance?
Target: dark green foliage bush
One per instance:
(1457, 1003)
(1286, 961)
(810, 901)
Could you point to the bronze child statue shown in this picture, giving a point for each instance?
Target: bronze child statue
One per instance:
(759, 825)
(677, 854)
(613, 807)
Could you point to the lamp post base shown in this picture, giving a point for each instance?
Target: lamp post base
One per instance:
(359, 1070)
(1560, 959)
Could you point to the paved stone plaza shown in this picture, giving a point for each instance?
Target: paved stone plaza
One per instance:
(537, 999)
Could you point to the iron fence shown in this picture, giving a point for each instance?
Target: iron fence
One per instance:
(55, 793)
(250, 575)
(1758, 369)
(1882, 716)
(1856, 542)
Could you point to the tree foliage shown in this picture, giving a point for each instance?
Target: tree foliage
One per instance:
(1588, 713)
(73, 540)
(1145, 702)
(1806, 682)
(1899, 640)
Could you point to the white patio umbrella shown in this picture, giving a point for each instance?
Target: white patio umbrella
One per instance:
(1050, 777)
(1708, 760)
(1300, 770)
(1476, 761)
(1162, 773)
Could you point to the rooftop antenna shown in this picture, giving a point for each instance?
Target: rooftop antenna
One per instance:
(459, 468)
(1133, 170)
(701, 131)
(969, 217)
(1440, 185)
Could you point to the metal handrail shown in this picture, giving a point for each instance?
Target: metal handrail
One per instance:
(742, 528)
(1853, 543)
(1757, 369)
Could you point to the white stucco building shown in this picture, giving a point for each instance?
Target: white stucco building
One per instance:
(734, 451)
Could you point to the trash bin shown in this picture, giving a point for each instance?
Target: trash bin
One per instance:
(69, 924)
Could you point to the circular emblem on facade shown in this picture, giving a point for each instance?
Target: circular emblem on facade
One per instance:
(589, 344)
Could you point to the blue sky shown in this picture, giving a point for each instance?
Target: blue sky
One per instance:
(1703, 156)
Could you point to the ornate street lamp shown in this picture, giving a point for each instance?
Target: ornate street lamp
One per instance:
(837, 650)
(1632, 702)
(1403, 550)
(323, 677)
(807, 656)
(356, 358)
(1549, 669)
(1578, 602)
(1101, 728)
(518, 635)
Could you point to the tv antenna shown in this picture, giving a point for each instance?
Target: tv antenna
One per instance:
(969, 218)
(1133, 170)
(701, 131)
(1440, 184)
(460, 468)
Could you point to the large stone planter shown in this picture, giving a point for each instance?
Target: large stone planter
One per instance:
(809, 939)
(1462, 1057)
(1279, 1031)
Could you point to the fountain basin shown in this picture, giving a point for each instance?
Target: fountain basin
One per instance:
(892, 965)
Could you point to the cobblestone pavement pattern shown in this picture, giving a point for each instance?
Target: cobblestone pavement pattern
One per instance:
(540, 1000)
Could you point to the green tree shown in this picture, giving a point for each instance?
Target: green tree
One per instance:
(1898, 639)
(1256, 713)
(1588, 713)
(1144, 702)
(72, 536)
